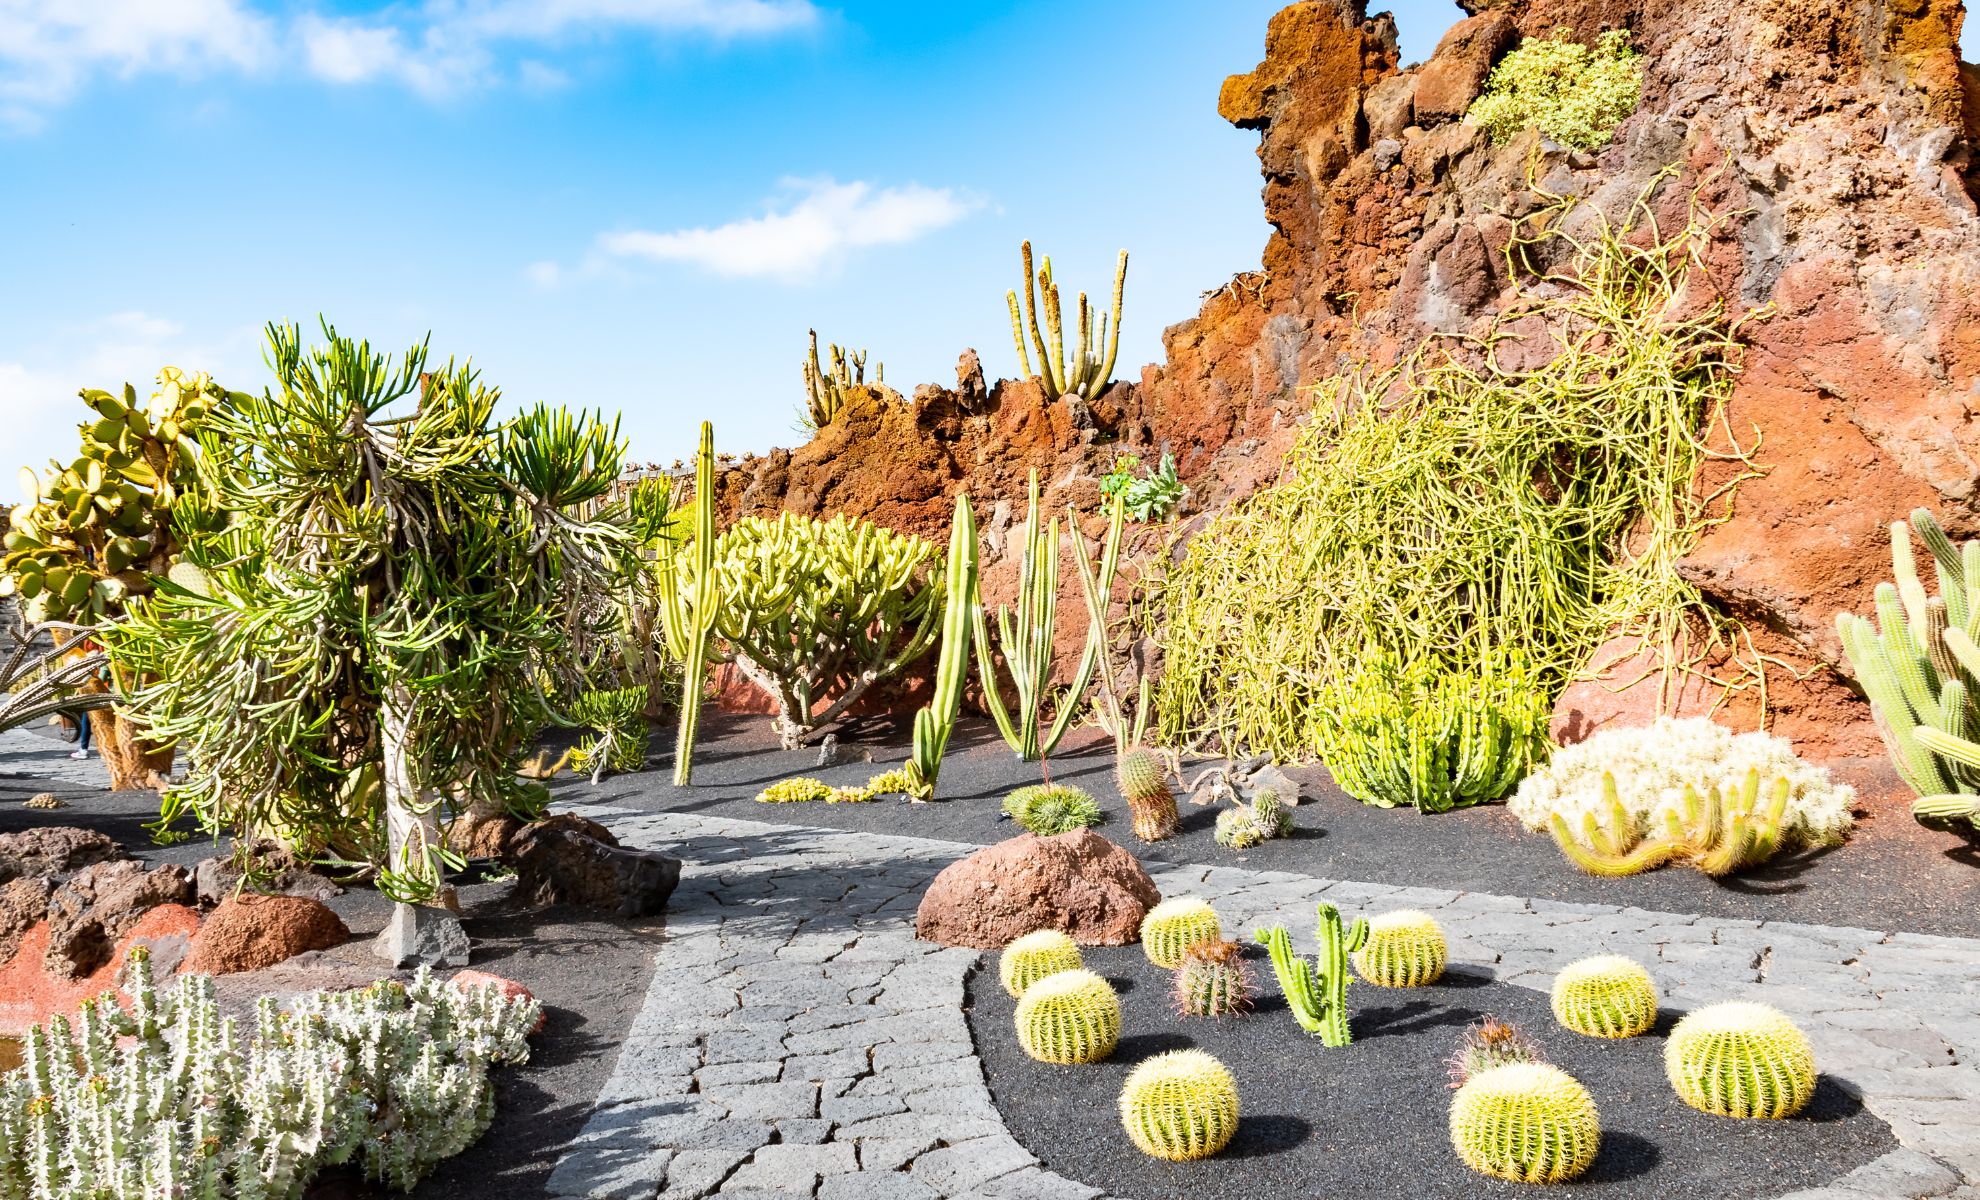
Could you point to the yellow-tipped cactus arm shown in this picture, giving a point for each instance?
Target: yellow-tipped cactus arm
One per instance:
(933, 724)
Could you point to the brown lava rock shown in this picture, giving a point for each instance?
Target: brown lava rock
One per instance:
(1079, 883)
(48, 850)
(249, 932)
(567, 859)
(23, 902)
(99, 904)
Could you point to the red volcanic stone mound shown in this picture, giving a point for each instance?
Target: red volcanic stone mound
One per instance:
(509, 988)
(1079, 883)
(249, 932)
(30, 992)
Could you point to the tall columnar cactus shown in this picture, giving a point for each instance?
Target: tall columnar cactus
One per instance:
(934, 724)
(1181, 1105)
(1716, 834)
(1527, 1123)
(1404, 949)
(1921, 669)
(1096, 587)
(825, 389)
(1316, 992)
(1174, 925)
(691, 603)
(1212, 981)
(1607, 996)
(1035, 955)
(1069, 1017)
(1741, 1060)
(1085, 374)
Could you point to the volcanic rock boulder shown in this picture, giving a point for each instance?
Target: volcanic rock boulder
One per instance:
(248, 932)
(1078, 883)
(49, 850)
(566, 859)
(99, 904)
(282, 874)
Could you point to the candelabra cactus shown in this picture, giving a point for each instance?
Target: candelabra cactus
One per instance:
(1069, 1017)
(1086, 374)
(1173, 926)
(1403, 949)
(1052, 808)
(1741, 1060)
(690, 602)
(1212, 981)
(618, 716)
(1150, 802)
(1714, 833)
(1181, 1105)
(1527, 1123)
(825, 390)
(1032, 957)
(934, 724)
(1316, 992)
(1607, 996)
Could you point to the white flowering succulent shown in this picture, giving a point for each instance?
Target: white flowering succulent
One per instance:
(1652, 765)
(165, 1098)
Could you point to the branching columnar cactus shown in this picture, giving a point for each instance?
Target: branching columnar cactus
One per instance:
(1404, 949)
(1173, 926)
(1032, 957)
(1527, 1122)
(1087, 374)
(1150, 802)
(1607, 996)
(825, 390)
(1069, 1017)
(1741, 1060)
(1921, 669)
(934, 724)
(799, 789)
(1047, 809)
(1180, 1106)
(1212, 981)
(690, 595)
(1316, 992)
(1716, 834)
(618, 717)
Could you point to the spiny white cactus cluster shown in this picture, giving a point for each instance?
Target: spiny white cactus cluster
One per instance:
(167, 1098)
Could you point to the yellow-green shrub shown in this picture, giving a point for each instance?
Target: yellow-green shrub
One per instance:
(1574, 94)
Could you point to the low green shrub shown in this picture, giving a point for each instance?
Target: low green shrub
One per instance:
(1574, 94)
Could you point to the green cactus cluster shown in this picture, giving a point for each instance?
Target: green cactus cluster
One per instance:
(1741, 1059)
(1035, 955)
(1180, 1106)
(1403, 949)
(825, 387)
(1607, 996)
(618, 718)
(1173, 926)
(1920, 667)
(1212, 980)
(1716, 834)
(95, 531)
(895, 782)
(1047, 809)
(1145, 787)
(1069, 1017)
(1526, 1123)
(1246, 825)
(1087, 372)
(799, 789)
(1316, 992)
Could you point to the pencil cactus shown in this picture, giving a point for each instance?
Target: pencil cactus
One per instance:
(1086, 373)
(1316, 992)
(934, 724)
(1741, 1060)
(1150, 802)
(1404, 949)
(1181, 1105)
(1607, 996)
(1173, 926)
(1212, 980)
(1032, 957)
(1527, 1123)
(1069, 1017)
(618, 718)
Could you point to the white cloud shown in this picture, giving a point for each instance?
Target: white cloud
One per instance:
(796, 241)
(50, 48)
(350, 51)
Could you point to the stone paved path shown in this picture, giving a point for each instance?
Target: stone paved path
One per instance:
(797, 1041)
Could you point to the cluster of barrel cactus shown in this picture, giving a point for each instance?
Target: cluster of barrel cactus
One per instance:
(1527, 1122)
(1173, 926)
(1151, 804)
(1403, 949)
(1243, 825)
(1741, 1059)
(1718, 834)
(1069, 1017)
(95, 531)
(1607, 996)
(1052, 808)
(1033, 956)
(1181, 1105)
(1316, 992)
(1211, 980)
(168, 1097)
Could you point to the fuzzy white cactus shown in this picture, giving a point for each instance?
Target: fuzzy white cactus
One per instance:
(166, 1099)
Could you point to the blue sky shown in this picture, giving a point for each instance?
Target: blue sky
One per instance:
(634, 205)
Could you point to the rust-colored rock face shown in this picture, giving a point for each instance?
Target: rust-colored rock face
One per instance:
(248, 932)
(1078, 883)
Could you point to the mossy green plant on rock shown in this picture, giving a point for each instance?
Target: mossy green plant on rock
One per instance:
(1069, 1017)
(1741, 1059)
(1032, 957)
(1607, 996)
(1574, 94)
(1180, 1106)
(1405, 949)
(1527, 1123)
(1173, 926)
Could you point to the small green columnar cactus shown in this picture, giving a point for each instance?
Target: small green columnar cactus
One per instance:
(1404, 949)
(1149, 800)
(1527, 1123)
(1741, 1060)
(1052, 808)
(1316, 992)
(1714, 833)
(1273, 815)
(1238, 829)
(1607, 996)
(1069, 1017)
(934, 724)
(825, 390)
(1180, 1106)
(1086, 374)
(1173, 926)
(1212, 981)
(1032, 957)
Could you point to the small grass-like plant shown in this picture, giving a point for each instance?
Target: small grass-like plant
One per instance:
(1573, 93)
(1527, 1123)
(1069, 1017)
(1181, 1106)
(1404, 949)
(1607, 996)
(1741, 1059)
(1047, 809)
(1174, 925)
(1032, 957)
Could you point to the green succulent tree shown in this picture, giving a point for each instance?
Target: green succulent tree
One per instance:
(361, 650)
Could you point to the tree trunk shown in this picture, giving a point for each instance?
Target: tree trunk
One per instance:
(131, 764)
(412, 820)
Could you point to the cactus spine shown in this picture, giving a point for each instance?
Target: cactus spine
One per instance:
(1173, 926)
(1212, 981)
(690, 602)
(934, 724)
(1069, 1017)
(1086, 374)
(1149, 800)
(1032, 957)
(1741, 1060)
(1527, 1123)
(1180, 1106)
(1404, 949)
(1317, 991)
(1607, 996)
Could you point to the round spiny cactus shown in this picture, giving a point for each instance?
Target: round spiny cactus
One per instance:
(1741, 1060)
(1607, 996)
(1047, 809)
(1173, 926)
(1034, 956)
(1069, 1017)
(1238, 829)
(1271, 813)
(1212, 981)
(1149, 800)
(1404, 949)
(799, 790)
(1180, 1106)
(1525, 1122)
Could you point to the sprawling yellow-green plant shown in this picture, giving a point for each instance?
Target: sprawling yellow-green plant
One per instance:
(1574, 94)
(1455, 512)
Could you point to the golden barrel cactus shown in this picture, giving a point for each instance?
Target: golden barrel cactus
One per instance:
(1741, 1059)
(1607, 996)
(1069, 1017)
(1404, 949)
(1180, 1106)
(1526, 1122)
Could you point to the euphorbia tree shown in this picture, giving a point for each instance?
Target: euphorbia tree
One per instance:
(361, 650)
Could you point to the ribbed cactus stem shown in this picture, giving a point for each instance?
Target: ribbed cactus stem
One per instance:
(690, 594)
(1317, 992)
(934, 724)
